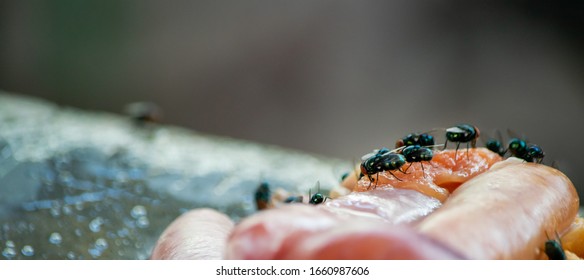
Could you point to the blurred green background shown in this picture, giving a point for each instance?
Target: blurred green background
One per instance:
(337, 78)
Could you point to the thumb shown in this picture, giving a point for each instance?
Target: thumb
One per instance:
(199, 234)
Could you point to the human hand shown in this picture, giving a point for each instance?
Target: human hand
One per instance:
(489, 217)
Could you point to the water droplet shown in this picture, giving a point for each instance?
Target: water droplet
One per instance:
(142, 222)
(9, 253)
(10, 243)
(27, 251)
(71, 255)
(95, 224)
(101, 244)
(79, 206)
(139, 189)
(67, 210)
(22, 226)
(94, 252)
(129, 223)
(55, 212)
(138, 211)
(78, 232)
(124, 232)
(55, 204)
(55, 238)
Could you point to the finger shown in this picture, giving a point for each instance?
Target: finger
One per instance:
(306, 232)
(369, 241)
(266, 234)
(196, 235)
(506, 212)
(392, 206)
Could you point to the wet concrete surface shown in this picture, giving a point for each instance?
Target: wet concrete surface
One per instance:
(85, 185)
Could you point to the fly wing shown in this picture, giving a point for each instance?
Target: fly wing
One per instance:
(455, 129)
(434, 146)
(485, 137)
(499, 135)
(397, 150)
(514, 134)
(376, 152)
(369, 155)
